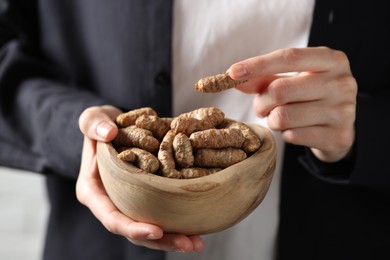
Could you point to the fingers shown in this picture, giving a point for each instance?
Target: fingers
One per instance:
(326, 145)
(91, 193)
(257, 85)
(97, 123)
(308, 94)
(173, 242)
(316, 59)
(284, 90)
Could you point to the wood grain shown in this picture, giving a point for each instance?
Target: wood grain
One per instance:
(190, 206)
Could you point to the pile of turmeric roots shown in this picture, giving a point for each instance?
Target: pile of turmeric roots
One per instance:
(191, 145)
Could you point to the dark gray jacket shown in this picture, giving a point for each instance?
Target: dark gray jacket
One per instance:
(59, 57)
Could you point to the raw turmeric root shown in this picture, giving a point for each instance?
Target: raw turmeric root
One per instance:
(218, 158)
(158, 126)
(136, 137)
(127, 155)
(188, 125)
(213, 115)
(129, 118)
(217, 138)
(252, 142)
(141, 158)
(197, 120)
(194, 144)
(166, 157)
(190, 173)
(183, 151)
(217, 83)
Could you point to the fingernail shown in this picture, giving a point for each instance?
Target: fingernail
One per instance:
(178, 250)
(151, 237)
(239, 70)
(103, 129)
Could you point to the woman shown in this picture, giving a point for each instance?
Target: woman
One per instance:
(65, 57)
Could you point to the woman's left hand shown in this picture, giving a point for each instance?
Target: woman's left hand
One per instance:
(314, 107)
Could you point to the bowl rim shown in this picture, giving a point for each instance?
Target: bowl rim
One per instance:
(267, 149)
(193, 189)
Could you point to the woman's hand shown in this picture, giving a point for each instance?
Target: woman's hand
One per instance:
(314, 107)
(96, 124)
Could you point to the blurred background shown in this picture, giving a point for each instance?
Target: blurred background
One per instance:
(23, 214)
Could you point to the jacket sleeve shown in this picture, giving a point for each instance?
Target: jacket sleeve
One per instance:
(338, 26)
(39, 109)
(367, 164)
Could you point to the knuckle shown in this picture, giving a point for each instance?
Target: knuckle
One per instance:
(257, 66)
(278, 90)
(109, 222)
(291, 56)
(278, 118)
(86, 117)
(259, 107)
(81, 194)
(349, 85)
(339, 56)
(290, 136)
(342, 141)
(348, 114)
(342, 116)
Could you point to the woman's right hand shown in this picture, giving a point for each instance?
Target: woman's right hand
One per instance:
(97, 125)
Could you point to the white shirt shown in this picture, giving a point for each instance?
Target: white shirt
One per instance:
(209, 36)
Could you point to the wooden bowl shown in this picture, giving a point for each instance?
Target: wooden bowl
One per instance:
(190, 206)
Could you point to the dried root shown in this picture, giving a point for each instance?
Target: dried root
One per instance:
(129, 118)
(217, 138)
(190, 173)
(158, 126)
(197, 120)
(183, 151)
(127, 155)
(252, 142)
(218, 158)
(188, 125)
(141, 158)
(166, 156)
(217, 83)
(136, 137)
(194, 144)
(213, 115)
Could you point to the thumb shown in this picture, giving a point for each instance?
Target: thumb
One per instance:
(96, 123)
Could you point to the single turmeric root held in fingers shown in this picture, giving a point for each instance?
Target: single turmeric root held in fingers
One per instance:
(217, 83)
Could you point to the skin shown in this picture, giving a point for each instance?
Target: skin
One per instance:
(96, 125)
(315, 108)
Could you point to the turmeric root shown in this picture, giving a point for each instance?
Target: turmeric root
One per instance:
(166, 157)
(217, 138)
(252, 142)
(188, 125)
(217, 83)
(127, 155)
(141, 158)
(158, 126)
(136, 137)
(190, 173)
(197, 120)
(183, 151)
(214, 115)
(129, 118)
(218, 158)
(194, 144)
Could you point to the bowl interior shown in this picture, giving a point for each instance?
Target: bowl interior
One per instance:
(190, 206)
